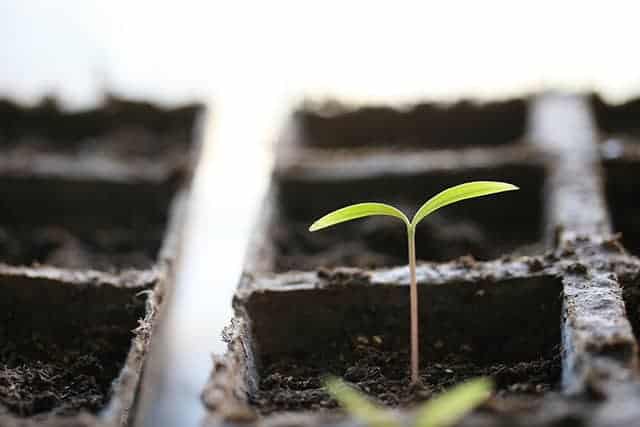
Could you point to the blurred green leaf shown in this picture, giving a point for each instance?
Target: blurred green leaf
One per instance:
(358, 405)
(458, 193)
(356, 211)
(451, 406)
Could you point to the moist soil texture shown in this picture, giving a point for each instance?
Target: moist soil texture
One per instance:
(380, 242)
(290, 384)
(127, 143)
(118, 129)
(40, 377)
(422, 125)
(110, 249)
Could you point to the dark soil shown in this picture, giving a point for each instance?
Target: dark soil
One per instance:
(125, 144)
(291, 384)
(43, 377)
(119, 128)
(619, 118)
(622, 197)
(631, 295)
(105, 249)
(422, 125)
(381, 242)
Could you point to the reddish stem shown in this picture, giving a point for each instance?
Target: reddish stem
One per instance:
(414, 304)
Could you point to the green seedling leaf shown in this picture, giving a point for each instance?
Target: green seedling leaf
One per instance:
(356, 211)
(444, 198)
(458, 193)
(450, 407)
(358, 405)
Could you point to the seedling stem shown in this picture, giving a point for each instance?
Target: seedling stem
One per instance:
(450, 195)
(413, 297)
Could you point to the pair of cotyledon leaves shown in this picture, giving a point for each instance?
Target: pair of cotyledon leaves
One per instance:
(448, 408)
(451, 195)
(441, 411)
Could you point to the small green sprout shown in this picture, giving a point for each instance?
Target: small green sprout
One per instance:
(441, 411)
(451, 195)
(359, 405)
(449, 408)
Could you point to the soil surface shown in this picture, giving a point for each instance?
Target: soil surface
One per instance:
(631, 295)
(422, 125)
(618, 118)
(45, 378)
(109, 249)
(380, 242)
(290, 384)
(622, 196)
(119, 144)
(119, 128)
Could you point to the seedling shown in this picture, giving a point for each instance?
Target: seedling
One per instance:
(441, 411)
(451, 195)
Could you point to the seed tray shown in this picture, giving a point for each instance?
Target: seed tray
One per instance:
(547, 303)
(90, 222)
